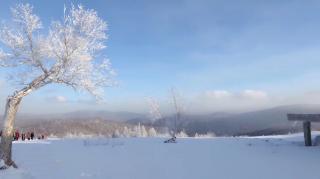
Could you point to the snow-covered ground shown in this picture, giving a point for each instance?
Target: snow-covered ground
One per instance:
(280, 157)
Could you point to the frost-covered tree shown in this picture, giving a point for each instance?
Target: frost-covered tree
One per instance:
(176, 127)
(139, 131)
(177, 115)
(67, 54)
(152, 132)
(126, 132)
(116, 134)
(143, 131)
(207, 135)
(182, 134)
(135, 131)
(154, 112)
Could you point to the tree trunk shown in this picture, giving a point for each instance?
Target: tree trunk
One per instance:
(10, 116)
(8, 130)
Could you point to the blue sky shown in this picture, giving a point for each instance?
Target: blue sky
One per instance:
(205, 49)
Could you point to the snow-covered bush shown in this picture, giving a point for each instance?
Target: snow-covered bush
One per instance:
(116, 134)
(207, 135)
(152, 132)
(182, 134)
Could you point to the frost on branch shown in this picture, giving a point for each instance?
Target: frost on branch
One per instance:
(154, 111)
(24, 16)
(67, 54)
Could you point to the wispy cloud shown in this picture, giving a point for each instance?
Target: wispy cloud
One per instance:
(223, 100)
(57, 99)
(254, 94)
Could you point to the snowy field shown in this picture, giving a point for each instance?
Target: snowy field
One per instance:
(280, 157)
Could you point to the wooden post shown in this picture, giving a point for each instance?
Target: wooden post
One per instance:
(307, 133)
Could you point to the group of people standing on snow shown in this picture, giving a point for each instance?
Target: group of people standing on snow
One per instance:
(24, 136)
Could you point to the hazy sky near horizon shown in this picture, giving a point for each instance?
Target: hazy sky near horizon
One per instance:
(219, 55)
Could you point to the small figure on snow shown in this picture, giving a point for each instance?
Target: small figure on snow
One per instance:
(172, 140)
(16, 135)
(32, 135)
(28, 135)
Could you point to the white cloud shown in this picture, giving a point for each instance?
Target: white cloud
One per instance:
(59, 99)
(223, 100)
(254, 94)
(242, 95)
(218, 94)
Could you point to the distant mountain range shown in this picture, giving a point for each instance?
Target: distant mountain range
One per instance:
(262, 122)
(85, 114)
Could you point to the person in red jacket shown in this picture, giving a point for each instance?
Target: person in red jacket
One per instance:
(17, 135)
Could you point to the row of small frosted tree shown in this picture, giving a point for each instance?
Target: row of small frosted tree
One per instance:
(136, 131)
(142, 131)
